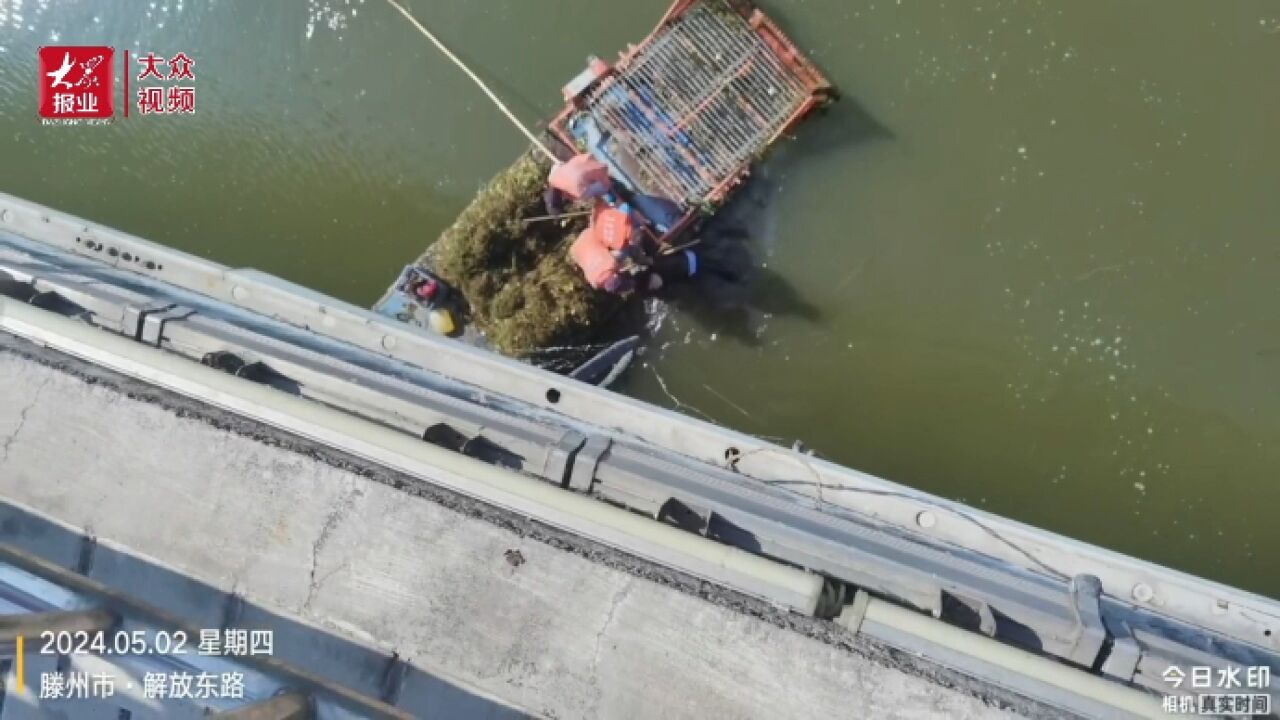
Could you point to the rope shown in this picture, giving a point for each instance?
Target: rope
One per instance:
(475, 78)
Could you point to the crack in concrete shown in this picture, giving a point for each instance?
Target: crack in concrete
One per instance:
(22, 419)
(608, 621)
(340, 509)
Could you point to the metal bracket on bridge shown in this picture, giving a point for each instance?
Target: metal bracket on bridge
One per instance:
(982, 613)
(1122, 662)
(583, 474)
(134, 316)
(15, 288)
(558, 461)
(686, 516)
(853, 615)
(152, 331)
(1089, 632)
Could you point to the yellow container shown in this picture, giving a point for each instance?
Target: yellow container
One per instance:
(441, 321)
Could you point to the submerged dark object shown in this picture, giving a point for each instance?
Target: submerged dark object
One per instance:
(606, 366)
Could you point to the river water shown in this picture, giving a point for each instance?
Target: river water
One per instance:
(1030, 261)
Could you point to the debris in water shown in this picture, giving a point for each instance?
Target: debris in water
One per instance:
(521, 289)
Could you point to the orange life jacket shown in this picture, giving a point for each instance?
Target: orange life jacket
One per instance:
(613, 226)
(575, 176)
(595, 260)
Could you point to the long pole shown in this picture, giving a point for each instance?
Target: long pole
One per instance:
(475, 78)
(561, 216)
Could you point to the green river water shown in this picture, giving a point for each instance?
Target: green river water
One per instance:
(1030, 261)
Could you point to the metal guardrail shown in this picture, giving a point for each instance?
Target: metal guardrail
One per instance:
(1079, 617)
(997, 672)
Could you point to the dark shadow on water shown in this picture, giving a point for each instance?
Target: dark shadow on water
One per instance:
(840, 125)
(734, 296)
(832, 130)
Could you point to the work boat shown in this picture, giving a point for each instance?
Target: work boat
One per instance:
(678, 121)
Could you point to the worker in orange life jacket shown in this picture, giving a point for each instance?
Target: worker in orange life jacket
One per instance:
(604, 271)
(615, 226)
(601, 265)
(582, 177)
(611, 258)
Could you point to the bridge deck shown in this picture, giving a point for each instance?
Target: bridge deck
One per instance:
(485, 618)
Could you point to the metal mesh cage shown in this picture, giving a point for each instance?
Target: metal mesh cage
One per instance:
(695, 104)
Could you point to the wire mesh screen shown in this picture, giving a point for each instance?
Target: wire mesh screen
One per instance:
(696, 103)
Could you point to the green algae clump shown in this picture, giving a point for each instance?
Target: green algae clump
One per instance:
(520, 286)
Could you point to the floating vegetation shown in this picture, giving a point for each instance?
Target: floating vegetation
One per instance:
(520, 286)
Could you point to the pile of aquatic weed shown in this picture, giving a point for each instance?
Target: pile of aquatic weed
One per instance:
(521, 288)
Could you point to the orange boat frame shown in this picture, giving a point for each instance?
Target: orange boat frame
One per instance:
(820, 92)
